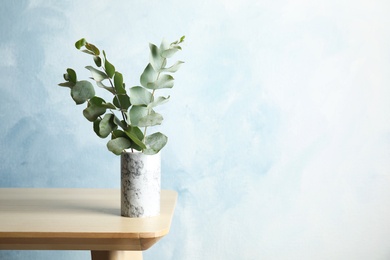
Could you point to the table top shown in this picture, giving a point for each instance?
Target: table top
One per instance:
(77, 219)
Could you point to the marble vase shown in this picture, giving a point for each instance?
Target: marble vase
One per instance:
(140, 184)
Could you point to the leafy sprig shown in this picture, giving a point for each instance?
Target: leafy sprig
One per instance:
(129, 111)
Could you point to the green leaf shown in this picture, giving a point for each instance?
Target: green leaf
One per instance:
(110, 69)
(96, 126)
(156, 60)
(137, 112)
(154, 143)
(88, 52)
(93, 112)
(101, 85)
(82, 91)
(109, 106)
(164, 45)
(158, 101)
(169, 53)
(120, 123)
(66, 76)
(135, 137)
(107, 125)
(140, 96)
(96, 107)
(92, 48)
(175, 67)
(151, 119)
(97, 60)
(118, 83)
(122, 102)
(71, 75)
(118, 145)
(164, 81)
(66, 84)
(117, 133)
(80, 43)
(149, 75)
(97, 75)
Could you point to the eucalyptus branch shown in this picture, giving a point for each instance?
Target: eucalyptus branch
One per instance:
(136, 108)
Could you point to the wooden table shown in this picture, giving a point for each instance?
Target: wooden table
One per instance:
(79, 219)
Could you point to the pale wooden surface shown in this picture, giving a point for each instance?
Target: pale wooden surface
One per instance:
(77, 219)
(116, 255)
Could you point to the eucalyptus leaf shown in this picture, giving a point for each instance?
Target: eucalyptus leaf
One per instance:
(96, 107)
(122, 101)
(96, 126)
(97, 75)
(82, 91)
(140, 96)
(169, 53)
(149, 75)
(164, 45)
(118, 145)
(93, 112)
(101, 85)
(92, 48)
(97, 60)
(109, 106)
(107, 125)
(137, 112)
(175, 67)
(118, 133)
(110, 69)
(120, 123)
(66, 84)
(135, 138)
(80, 43)
(164, 81)
(154, 143)
(156, 60)
(118, 83)
(151, 119)
(88, 52)
(158, 101)
(71, 75)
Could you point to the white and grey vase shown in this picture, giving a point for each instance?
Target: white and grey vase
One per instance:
(140, 184)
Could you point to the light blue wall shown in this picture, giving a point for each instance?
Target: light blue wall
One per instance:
(278, 125)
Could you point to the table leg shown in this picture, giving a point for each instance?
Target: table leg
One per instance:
(116, 255)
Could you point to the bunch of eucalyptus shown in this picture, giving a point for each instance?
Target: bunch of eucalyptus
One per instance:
(128, 115)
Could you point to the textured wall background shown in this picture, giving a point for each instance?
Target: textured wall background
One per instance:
(279, 121)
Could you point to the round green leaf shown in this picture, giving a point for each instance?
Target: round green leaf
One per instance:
(117, 145)
(82, 91)
(95, 109)
(140, 96)
(154, 143)
(107, 125)
(137, 112)
(150, 120)
(164, 81)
